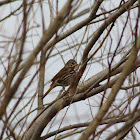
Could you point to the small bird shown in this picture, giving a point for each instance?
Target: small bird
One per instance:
(65, 76)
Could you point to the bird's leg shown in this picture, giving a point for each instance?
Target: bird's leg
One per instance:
(60, 93)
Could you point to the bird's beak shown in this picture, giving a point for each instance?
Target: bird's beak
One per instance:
(76, 66)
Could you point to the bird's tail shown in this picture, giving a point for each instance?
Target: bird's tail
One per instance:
(51, 87)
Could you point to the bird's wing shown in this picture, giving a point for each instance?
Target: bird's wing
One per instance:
(61, 73)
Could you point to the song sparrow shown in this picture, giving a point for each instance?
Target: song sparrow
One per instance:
(65, 76)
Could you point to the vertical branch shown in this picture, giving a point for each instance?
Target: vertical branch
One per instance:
(51, 11)
(42, 68)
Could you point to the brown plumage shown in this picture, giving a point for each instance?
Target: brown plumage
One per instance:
(65, 76)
